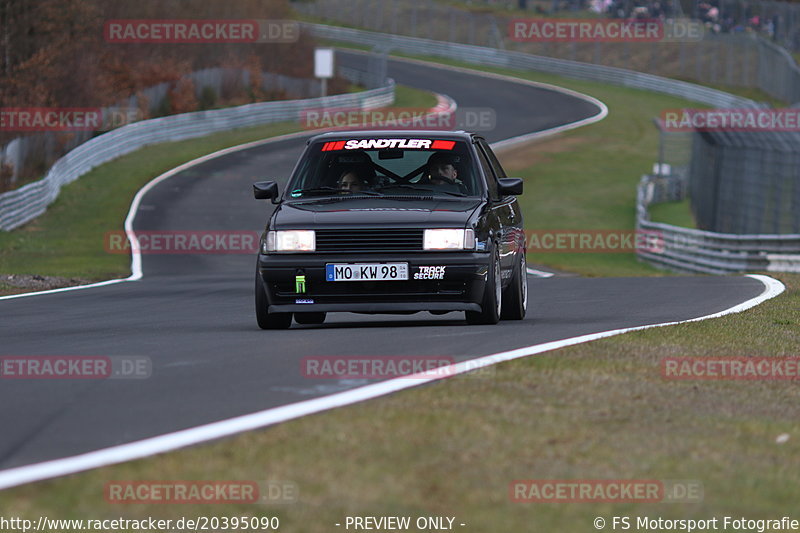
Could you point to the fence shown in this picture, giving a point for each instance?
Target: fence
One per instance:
(737, 60)
(24, 204)
(780, 20)
(746, 182)
(739, 182)
(517, 60)
(691, 250)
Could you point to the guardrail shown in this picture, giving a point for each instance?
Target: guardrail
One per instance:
(739, 58)
(692, 250)
(26, 203)
(481, 55)
(684, 249)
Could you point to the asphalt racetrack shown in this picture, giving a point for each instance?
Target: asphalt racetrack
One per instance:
(192, 315)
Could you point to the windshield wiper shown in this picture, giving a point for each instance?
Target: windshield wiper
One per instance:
(407, 186)
(453, 193)
(404, 186)
(327, 190)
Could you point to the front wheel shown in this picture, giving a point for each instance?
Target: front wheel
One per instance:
(265, 319)
(515, 298)
(492, 296)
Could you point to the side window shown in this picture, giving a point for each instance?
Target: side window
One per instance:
(491, 181)
(498, 169)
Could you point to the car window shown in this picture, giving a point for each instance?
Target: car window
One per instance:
(491, 181)
(496, 166)
(386, 167)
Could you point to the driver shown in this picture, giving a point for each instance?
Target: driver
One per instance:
(441, 169)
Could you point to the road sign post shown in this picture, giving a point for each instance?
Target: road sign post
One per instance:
(323, 66)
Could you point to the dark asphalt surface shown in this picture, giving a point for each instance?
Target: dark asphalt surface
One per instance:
(193, 315)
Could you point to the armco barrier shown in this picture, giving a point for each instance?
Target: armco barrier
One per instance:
(26, 203)
(692, 250)
(481, 55)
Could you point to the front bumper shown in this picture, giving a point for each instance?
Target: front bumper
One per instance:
(460, 289)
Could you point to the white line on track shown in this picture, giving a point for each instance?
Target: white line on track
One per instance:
(267, 417)
(539, 273)
(215, 430)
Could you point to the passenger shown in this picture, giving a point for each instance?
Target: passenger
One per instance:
(351, 180)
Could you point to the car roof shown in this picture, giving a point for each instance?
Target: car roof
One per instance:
(390, 134)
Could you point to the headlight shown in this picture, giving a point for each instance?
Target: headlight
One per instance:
(290, 241)
(448, 239)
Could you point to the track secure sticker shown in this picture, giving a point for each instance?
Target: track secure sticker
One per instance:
(430, 272)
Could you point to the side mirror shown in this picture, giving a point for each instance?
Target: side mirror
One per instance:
(263, 190)
(510, 186)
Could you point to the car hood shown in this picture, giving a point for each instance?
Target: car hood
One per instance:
(366, 212)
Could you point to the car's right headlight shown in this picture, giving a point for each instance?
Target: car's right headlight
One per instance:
(290, 241)
(448, 239)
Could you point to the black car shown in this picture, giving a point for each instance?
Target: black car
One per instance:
(392, 222)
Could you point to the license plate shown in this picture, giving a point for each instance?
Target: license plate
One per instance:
(366, 272)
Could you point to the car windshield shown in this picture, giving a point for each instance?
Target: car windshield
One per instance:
(397, 166)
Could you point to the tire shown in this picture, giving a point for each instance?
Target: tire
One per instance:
(515, 297)
(265, 319)
(310, 318)
(492, 296)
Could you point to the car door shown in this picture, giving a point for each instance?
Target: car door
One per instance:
(503, 210)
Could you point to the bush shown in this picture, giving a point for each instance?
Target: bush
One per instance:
(208, 98)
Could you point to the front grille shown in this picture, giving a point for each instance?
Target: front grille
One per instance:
(369, 240)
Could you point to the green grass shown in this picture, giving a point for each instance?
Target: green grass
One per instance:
(593, 411)
(675, 213)
(409, 97)
(752, 93)
(68, 240)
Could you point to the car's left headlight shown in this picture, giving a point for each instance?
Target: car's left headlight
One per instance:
(448, 239)
(290, 241)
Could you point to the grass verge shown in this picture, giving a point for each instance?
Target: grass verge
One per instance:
(595, 411)
(675, 213)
